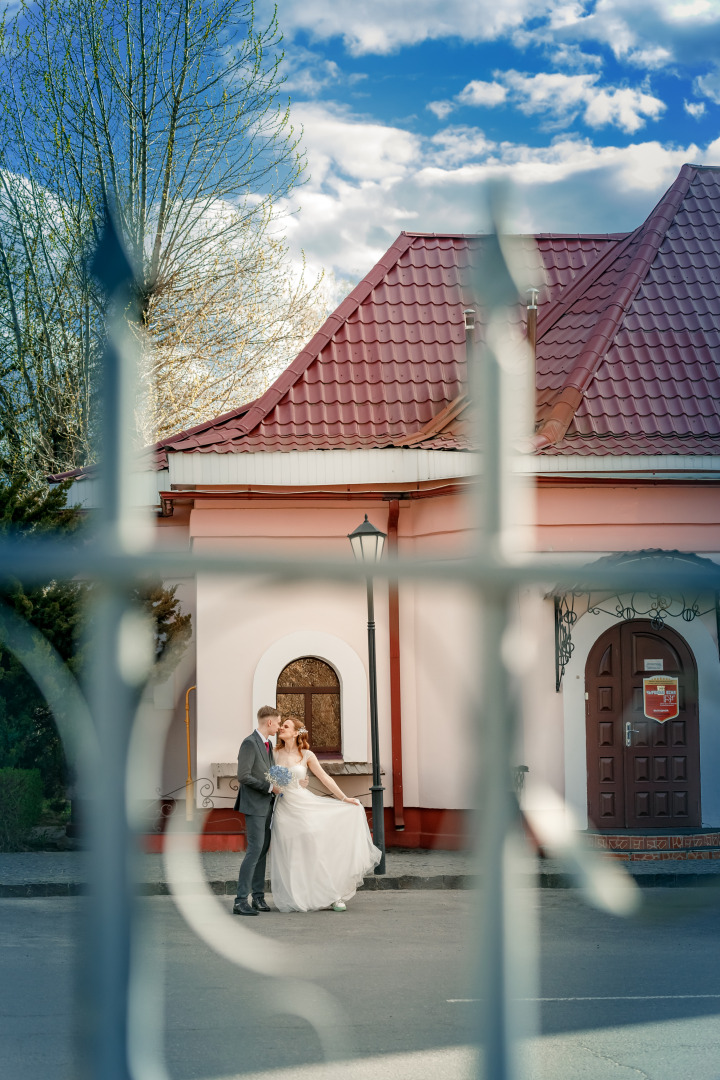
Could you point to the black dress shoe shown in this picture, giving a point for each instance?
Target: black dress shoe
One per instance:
(241, 907)
(259, 904)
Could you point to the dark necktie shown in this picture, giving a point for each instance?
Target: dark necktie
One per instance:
(267, 747)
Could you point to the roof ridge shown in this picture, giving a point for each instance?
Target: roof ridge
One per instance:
(652, 233)
(437, 422)
(581, 284)
(332, 324)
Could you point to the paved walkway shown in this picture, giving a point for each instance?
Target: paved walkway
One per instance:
(63, 873)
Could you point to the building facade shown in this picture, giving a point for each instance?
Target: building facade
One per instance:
(373, 418)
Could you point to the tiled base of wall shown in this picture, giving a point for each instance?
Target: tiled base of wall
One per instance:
(656, 848)
(438, 830)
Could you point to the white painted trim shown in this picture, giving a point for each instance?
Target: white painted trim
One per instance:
(325, 468)
(394, 465)
(321, 467)
(350, 671)
(635, 466)
(699, 639)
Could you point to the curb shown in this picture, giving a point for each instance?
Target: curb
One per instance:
(406, 882)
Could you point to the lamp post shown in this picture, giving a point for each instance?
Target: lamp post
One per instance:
(367, 543)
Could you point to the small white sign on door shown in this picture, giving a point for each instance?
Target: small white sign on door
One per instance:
(653, 665)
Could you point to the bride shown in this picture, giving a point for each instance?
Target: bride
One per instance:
(320, 849)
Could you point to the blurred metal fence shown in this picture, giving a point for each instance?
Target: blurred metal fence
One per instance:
(114, 748)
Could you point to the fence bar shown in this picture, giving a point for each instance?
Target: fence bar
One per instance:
(494, 387)
(34, 562)
(116, 671)
(112, 910)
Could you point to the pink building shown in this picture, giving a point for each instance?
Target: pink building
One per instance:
(370, 418)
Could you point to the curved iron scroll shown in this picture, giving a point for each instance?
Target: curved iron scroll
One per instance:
(656, 606)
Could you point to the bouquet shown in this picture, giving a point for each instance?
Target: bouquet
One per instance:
(280, 776)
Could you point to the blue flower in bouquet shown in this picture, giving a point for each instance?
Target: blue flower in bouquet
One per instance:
(279, 775)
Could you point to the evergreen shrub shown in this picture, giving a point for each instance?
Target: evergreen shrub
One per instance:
(21, 799)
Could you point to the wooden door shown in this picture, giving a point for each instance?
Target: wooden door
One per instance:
(641, 773)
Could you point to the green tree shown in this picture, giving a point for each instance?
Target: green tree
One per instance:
(28, 736)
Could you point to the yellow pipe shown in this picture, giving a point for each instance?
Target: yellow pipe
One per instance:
(189, 790)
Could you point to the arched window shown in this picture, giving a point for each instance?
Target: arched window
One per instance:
(309, 689)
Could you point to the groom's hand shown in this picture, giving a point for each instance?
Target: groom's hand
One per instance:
(305, 782)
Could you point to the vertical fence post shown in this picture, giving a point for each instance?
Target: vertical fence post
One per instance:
(117, 670)
(498, 1020)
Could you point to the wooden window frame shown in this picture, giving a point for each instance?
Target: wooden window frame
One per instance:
(307, 692)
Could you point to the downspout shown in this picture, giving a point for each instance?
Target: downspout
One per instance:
(395, 694)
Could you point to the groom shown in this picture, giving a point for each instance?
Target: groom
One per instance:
(255, 801)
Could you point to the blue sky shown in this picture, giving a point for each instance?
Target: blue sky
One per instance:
(589, 108)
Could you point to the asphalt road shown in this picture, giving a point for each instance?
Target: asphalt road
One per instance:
(616, 998)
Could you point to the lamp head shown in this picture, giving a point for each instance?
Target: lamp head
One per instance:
(367, 542)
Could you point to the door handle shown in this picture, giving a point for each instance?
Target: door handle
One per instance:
(629, 732)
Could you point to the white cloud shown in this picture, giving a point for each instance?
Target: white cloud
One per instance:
(695, 108)
(709, 85)
(351, 213)
(440, 108)
(307, 73)
(564, 97)
(377, 26)
(478, 92)
(651, 33)
(653, 57)
(458, 144)
(340, 144)
(647, 33)
(571, 56)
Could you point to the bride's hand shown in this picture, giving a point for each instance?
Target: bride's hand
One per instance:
(355, 802)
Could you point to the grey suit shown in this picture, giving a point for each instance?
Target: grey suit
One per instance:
(255, 801)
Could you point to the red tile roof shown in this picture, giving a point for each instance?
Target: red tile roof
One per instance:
(390, 359)
(629, 358)
(628, 347)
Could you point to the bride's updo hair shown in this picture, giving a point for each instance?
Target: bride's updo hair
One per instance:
(302, 736)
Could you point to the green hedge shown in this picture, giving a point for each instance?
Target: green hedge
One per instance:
(21, 796)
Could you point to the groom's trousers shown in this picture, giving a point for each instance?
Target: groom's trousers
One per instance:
(251, 878)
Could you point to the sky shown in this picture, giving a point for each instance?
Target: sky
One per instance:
(588, 107)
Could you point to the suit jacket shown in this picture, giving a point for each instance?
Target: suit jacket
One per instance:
(254, 796)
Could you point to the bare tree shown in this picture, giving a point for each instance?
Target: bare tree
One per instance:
(169, 115)
(231, 327)
(48, 334)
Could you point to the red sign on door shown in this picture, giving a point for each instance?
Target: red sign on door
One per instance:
(660, 698)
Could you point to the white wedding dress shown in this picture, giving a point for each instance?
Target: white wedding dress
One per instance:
(320, 850)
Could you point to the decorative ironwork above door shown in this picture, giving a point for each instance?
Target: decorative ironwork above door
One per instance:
(658, 607)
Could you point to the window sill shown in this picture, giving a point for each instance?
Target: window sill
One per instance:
(333, 767)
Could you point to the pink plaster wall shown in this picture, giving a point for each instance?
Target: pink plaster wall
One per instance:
(237, 623)
(624, 517)
(439, 663)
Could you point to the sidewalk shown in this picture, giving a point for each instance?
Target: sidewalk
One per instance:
(66, 873)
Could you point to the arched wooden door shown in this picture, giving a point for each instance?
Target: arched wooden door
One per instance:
(641, 773)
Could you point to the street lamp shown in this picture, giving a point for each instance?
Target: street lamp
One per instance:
(367, 543)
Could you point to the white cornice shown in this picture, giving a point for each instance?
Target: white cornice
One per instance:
(333, 467)
(320, 467)
(642, 467)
